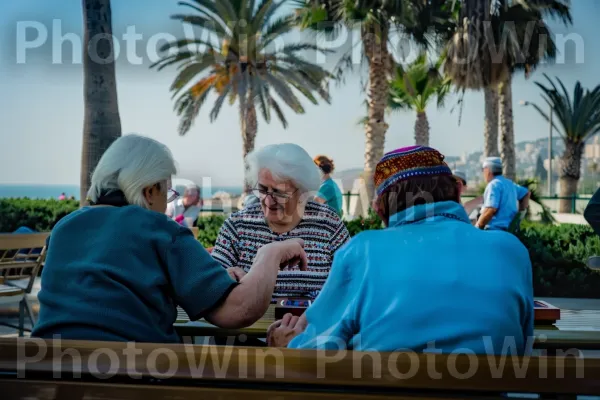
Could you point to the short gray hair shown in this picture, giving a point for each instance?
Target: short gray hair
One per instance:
(285, 161)
(131, 163)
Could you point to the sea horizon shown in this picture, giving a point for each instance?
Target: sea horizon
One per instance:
(53, 191)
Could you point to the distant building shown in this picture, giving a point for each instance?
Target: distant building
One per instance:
(592, 149)
(529, 148)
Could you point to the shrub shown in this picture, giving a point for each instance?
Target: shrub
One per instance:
(39, 215)
(559, 255)
(372, 221)
(208, 229)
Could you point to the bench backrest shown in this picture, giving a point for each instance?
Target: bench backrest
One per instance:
(21, 255)
(272, 370)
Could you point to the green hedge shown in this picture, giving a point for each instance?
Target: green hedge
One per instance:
(558, 253)
(39, 215)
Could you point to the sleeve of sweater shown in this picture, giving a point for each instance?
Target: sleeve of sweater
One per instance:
(225, 249)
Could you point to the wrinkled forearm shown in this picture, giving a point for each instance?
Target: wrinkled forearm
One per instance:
(485, 217)
(249, 300)
(524, 202)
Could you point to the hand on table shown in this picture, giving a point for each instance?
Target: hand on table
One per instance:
(236, 273)
(281, 332)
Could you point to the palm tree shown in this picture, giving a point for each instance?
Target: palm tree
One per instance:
(101, 123)
(490, 125)
(531, 31)
(414, 88)
(578, 119)
(243, 64)
(425, 21)
(495, 39)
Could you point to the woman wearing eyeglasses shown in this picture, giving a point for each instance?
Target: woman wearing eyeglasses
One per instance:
(285, 180)
(116, 270)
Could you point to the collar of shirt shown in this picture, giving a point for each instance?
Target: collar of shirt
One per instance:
(430, 212)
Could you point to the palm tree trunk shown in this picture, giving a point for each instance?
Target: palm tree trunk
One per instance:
(422, 129)
(375, 45)
(507, 133)
(102, 123)
(570, 174)
(490, 128)
(249, 125)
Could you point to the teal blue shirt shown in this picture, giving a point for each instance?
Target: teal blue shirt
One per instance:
(331, 193)
(431, 278)
(118, 273)
(503, 195)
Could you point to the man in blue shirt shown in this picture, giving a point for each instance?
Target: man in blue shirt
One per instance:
(412, 286)
(502, 199)
(592, 212)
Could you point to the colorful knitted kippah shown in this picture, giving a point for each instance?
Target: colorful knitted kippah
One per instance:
(406, 163)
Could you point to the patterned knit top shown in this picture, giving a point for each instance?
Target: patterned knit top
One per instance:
(322, 230)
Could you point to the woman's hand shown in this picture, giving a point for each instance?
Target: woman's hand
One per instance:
(236, 273)
(281, 332)
(290, 253)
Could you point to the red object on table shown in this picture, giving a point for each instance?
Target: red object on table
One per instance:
(545, 313)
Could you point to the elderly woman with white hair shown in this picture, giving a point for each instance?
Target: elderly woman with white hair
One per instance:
(116, 270)
(285, 179)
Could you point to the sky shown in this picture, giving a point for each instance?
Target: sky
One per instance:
(41, 97)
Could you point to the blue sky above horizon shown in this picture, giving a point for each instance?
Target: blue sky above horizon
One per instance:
(41, 103)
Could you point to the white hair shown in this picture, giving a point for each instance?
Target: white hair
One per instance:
(285, 161)
(130, 164)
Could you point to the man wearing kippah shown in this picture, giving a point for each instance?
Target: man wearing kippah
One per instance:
(502, 199)
(410, 286)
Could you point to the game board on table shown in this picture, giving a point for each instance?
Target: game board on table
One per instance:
(545, 313)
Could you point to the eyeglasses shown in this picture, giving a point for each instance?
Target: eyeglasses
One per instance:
(172, 195)
(279, 197)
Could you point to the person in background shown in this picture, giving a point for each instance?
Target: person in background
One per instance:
(185, 210)
(592, 212)
(411, 285)
(461, 178)
(283, 177)
(62, 196)
(329, 193)
(117, 270)
(502, 199)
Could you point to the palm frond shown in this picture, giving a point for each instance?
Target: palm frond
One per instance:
(240, 65)
(578, 117)
(273, 103)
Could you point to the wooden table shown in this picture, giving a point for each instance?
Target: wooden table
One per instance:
(577, 329)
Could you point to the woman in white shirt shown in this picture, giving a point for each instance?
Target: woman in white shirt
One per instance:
(185, 209)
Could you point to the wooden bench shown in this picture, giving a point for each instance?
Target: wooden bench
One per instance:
(103, 370)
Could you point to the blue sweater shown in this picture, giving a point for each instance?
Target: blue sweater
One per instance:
(430, 279)
(118, 273)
